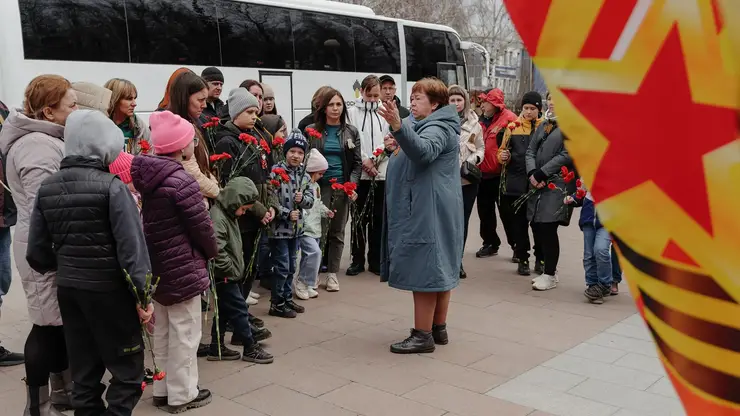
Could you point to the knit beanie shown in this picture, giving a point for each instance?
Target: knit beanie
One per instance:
(268, 92)
(316, 162)
(240, 100)
(122, 166)
(295, 139)
(212, 74)
(170, 132)
(92, 97)
(534, 98)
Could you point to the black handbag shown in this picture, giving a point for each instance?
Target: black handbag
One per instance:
(470, 172)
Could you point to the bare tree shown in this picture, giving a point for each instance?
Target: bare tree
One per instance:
(487, 22)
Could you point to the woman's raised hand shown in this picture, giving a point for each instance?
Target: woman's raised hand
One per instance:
(389, 111)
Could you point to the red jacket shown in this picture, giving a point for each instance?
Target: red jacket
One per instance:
(502, 118)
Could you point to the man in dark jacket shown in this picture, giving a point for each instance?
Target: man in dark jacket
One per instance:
(513, 144)
(388, 93)
(7, 220)
(215, 79)
(86, 226)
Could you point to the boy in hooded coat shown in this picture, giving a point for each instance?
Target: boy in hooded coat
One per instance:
(85, 225)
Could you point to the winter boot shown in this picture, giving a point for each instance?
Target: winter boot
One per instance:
(38, 403)
(61, 390)
(419, 342)
(439, 333)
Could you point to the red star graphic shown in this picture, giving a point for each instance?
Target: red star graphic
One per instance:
(658, 134)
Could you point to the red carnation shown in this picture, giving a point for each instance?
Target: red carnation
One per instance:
(247, 138)
(263, 163)
(314, 133)
(518, 123)
(278, 171)
(379, 151)
(215, 119)
(349, 187)
(337, 186)
(265, 146)
(143, 385)
(159, 376)
(278, 141)
(580, 193)
(275, 182)
(569, 177)
(552, 186)
(220, 156)
(285, 177)
(564, 171)
(333, 180)
(579, 183)
(145, 146)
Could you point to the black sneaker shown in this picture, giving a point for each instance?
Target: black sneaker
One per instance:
(296, 307)
(255, 354)
(8, 358)
(281, 310)
(595, 294)
(606, 291)
(439, 334)
(226, 354)
(259, 323)
(355, 269)
(486, 251)
(539, 267)
(261, 334)
(514, 259)
(204, 397)
(523, 268)
(463, 275)
(203, 350)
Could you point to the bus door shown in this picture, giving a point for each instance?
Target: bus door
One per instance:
(282, 83)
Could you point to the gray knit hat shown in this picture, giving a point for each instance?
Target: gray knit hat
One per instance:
(240, 100)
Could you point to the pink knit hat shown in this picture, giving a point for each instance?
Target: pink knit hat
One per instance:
(122, 166)
(170, 132)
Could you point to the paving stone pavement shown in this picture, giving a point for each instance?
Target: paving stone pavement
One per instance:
(513, 352)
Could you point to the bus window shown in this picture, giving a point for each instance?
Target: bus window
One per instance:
(74, 30)
(377, 47)
(424, 49)
(175, 32)
(253, 35)
(323, 42)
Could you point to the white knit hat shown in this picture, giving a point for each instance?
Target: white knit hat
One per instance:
(316, 162)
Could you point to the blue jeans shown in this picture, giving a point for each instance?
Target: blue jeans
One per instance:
(616, 268)
(310, 260)
(232, 309)
(5, 271)
(283, 252)
(597, 255)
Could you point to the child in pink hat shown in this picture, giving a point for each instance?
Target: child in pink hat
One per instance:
(122, 167)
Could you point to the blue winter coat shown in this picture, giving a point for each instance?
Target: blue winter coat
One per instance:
(422, 242)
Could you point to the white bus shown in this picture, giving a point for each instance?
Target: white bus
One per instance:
(295, 46)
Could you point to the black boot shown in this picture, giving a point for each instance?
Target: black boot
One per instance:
(259, 323)
(203, 398)
(419, 342)
(463, 275)
(355, 268)
(61, 390)
(439, 333)
(38, 403)
(281, 310)
(523, 268)
(296, 307)
(260, 334)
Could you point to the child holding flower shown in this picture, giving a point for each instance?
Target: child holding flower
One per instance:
(290, 182)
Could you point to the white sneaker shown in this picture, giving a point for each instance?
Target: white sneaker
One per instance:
(252, 301)
(301, 290)
(312, 293)
(557, 279)
(332, 283)
(545, 282)
(254, 295)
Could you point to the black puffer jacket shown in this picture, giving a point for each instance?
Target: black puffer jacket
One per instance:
(86, 226)
(227, 141)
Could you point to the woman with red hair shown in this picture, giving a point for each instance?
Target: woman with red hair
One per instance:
(165, 102)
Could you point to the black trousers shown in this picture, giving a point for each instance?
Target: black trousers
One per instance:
(367, 227)
(45, 352)
(469, 192)
(546, 236)
(102, 330)
(248, 246)
(519, 227)
(232, 309)
(487, 200)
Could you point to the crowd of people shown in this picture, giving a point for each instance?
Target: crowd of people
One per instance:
(152, 222)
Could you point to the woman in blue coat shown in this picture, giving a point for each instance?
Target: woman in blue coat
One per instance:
(423, 229)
